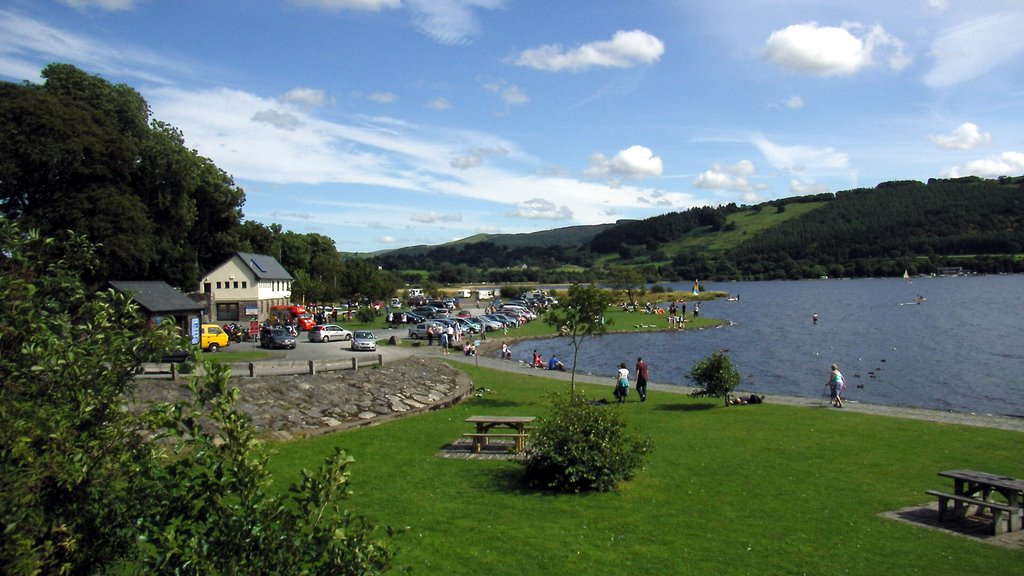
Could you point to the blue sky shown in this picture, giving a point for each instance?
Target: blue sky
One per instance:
(389, 123)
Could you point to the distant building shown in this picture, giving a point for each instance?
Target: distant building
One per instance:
(159, 300)
(245, 287)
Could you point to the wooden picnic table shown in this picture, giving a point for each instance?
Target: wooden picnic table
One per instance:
(486, 424)
(974, 489)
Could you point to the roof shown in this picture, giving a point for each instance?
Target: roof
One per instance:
(264, 267)
(157, 297)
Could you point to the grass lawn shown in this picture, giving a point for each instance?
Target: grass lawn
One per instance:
(766, 489)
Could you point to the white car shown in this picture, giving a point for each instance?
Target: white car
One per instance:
(363, 340)
(328, 332)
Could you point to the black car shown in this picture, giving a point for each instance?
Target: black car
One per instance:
(276, 338)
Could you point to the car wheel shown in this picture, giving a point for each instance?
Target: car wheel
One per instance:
(212, 348)
(414, 336)
(325, 338)
(348, 336)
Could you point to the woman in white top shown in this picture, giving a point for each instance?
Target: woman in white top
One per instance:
(622, 383)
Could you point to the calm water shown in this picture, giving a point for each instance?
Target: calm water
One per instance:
(961, 350)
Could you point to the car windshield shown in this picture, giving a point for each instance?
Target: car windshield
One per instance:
(364, 335)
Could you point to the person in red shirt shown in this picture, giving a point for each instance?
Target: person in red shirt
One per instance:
(641, 379)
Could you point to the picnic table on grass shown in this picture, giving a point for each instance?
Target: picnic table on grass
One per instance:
(975, 490)
(485, 426)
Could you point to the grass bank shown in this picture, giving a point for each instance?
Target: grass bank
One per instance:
(766, 489)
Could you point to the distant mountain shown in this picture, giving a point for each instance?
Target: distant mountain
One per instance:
(568, 236)
(971, 223)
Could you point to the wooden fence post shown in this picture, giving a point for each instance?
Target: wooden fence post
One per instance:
(355, 364)
(312, 368)
(380, 360)
(252, 369)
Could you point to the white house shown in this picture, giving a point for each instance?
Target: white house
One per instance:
(245, 286)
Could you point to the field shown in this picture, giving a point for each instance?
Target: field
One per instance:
(767, 489)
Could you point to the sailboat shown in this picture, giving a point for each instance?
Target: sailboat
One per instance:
(906, 275)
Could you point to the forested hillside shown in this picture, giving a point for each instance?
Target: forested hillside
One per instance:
(968, 223)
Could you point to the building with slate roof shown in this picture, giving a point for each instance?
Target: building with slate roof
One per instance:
(158, 300)
(245, 287)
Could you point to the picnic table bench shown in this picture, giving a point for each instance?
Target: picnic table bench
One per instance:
(975, 489)
(485, 425)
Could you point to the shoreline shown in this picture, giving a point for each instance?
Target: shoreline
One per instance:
(486, 359)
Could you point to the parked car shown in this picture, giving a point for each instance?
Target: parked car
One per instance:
(363, 340)
(328, 332)
(430, 311)
(212, 337)
(489, 324)
(464, 314)
(418, 300)
(469, 326)
(276, 338)
(419, 331)
(507, 320)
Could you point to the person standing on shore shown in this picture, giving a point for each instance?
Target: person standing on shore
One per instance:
(622, 383)
(641, 379)
(836, 384)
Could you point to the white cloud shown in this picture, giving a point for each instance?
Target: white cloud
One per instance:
(466, 162)
(382, 97)
(306, 97)
(804, 188)
(283, 120)
(1005, 164)
(360, 5)
(439, 104)
(26, 45)
(108, 5)
(509, 94)
(794, 102)
(831, 50)
(450, 22)
(965, 137)
(433, 217)
(719, 177)
(624, 50)
(635, 162)
(801, 158)
(386, 239)
(974, 48)
(541, 209)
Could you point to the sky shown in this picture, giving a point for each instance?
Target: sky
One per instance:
(391, 123)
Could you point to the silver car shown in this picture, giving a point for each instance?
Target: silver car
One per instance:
(363, 340)
(328, 332)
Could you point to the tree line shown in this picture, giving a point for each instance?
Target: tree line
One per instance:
(81, 154)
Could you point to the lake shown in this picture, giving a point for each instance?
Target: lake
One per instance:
(959, 350)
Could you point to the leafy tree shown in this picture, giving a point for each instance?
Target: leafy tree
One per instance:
(71, 462)
(628, 281)
(581, 447)
(580, 315)
(210, 512)
(82, 491)
(715, 375)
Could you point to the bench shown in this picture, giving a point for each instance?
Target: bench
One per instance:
(962, 502)
(481, 438)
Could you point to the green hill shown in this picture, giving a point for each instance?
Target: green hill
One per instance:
(970, 223)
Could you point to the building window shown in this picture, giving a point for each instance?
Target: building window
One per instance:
(227, 311)
(218, 285)
(236, 283)
(244, 284)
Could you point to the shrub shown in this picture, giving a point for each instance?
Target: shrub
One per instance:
(582, 447)
(366, 314)
(716, 376)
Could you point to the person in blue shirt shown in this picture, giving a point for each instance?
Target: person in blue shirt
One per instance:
(555, 364)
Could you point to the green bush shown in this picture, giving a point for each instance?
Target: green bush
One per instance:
(582, 447)
(366, 314)
(716, 376)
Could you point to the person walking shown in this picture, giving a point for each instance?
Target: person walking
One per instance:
(641, 379)
(836, 384)
(442, 340)
(622, 383)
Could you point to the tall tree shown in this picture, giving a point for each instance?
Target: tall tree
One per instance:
(578, 316)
